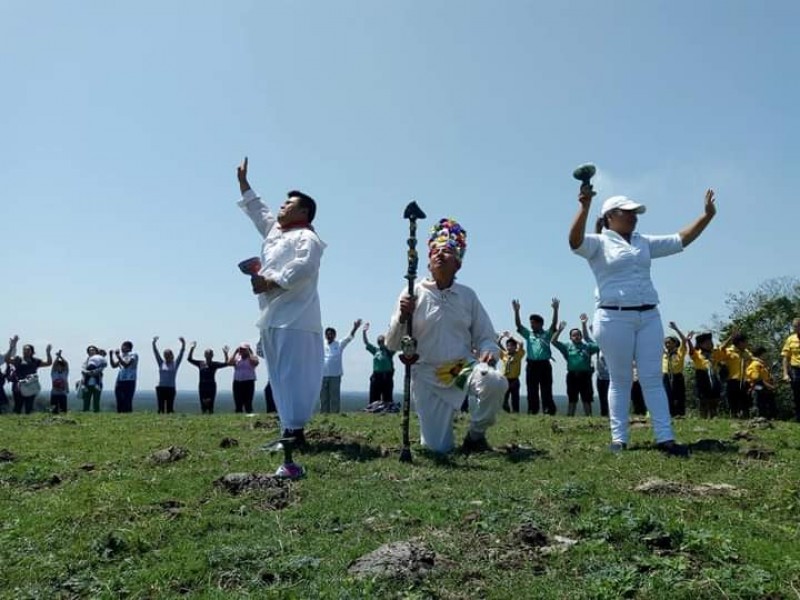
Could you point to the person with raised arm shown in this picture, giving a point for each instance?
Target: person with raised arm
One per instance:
(167, 374)
(578, 354)
(330, 396)
(538, 369)
(627, 322)
(290, 323)
(127, 361)
(207, 368)
(25, 384)
(673, 360)
(381, 381)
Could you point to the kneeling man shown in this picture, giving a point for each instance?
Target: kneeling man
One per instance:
(451, 328)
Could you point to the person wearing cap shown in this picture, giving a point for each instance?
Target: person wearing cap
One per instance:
(291, 321)
(627, 323)
(449, 321)
(791, 364)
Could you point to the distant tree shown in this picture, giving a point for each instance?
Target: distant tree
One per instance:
(764, 315)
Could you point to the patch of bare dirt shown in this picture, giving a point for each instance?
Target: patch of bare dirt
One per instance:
(228, 442)
(7, 455)
(274, 493)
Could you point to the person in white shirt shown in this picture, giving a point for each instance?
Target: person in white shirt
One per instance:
(627, 323)
(330, 397)
(127, 361)
(449, 322)
(286, 285)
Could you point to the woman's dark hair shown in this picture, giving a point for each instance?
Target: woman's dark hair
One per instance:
(600, 223)
(674, 340)
(305, 201)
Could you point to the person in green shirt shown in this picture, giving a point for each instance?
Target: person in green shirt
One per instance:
(538, 370)
(578, 354)
(381, 382)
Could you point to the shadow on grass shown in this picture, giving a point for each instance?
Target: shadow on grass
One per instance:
(349, 449)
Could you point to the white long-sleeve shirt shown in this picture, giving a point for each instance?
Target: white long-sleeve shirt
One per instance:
(447, 324)
(332, 367)
(292, 259)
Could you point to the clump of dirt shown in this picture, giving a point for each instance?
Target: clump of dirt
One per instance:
(259, 424)
(664, 487)
(7, 455)
(397, 560)
(758, 453)
(517, 452)
(228, 442)
(168, 455)
(87, 467)
(275, 493)
(530, 535)
(760, 423)
(172, 508)
(743, 434)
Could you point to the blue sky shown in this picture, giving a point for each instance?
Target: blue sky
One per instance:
(122, 125)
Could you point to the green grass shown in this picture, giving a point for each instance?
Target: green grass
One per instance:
(84, 512)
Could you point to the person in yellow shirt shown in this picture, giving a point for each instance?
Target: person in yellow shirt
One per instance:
(706, 358)
(791, 365)
(511, 353)
(672, 362)
(762, 388)
(737, 357)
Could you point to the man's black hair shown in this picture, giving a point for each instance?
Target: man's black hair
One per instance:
(537, 318)
(738, 339)
(306, 202)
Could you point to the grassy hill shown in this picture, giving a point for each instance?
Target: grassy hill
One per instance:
(88, 511)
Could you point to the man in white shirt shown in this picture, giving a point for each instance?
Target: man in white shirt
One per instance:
(286, 285)
(330, 397)
(451, 328)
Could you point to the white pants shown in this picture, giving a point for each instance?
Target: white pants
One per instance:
(294, 363)
(436, 405)
(625, 336)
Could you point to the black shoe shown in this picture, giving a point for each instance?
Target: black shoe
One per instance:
(470, 446)
(670, 448)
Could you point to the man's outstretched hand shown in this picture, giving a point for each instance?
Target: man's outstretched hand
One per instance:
(241, 175)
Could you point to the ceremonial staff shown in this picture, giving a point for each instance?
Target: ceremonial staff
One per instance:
(408, 344)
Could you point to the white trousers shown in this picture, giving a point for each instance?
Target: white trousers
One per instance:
(294, 363)
(436, 406)
(625, 336)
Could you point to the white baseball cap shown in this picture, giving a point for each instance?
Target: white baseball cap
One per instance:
(623, 203)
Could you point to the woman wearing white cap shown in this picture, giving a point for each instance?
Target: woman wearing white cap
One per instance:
(627, 323)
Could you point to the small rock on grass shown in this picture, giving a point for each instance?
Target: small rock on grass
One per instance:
(168, 455)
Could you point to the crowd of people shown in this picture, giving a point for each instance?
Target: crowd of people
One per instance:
(456, 356)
